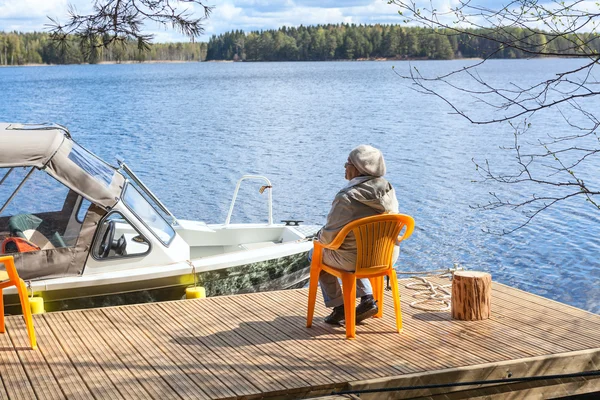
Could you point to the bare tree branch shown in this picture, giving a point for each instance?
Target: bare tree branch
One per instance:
(554, 166)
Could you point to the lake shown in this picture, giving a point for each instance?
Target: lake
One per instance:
(191, 130)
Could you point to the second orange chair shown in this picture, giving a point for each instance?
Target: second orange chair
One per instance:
(10, 277)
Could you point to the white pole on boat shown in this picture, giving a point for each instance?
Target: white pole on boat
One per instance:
(237, 188)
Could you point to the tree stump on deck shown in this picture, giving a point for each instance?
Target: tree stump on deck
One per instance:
(471, 295)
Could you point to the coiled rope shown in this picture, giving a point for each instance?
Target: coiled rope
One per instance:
(431, 296)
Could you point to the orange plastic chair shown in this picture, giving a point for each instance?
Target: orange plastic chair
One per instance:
(375, 240)
(10, 277)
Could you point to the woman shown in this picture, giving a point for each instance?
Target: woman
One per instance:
(366, 194)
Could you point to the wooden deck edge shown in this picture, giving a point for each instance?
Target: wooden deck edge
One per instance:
(564, 363)
(543, 389)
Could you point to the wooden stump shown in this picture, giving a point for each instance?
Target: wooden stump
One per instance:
(471, 295)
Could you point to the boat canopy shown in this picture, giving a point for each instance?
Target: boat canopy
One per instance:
(50, 147)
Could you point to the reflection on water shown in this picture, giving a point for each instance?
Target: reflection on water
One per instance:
(191, 130)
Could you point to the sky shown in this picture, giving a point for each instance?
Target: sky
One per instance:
(32, 15)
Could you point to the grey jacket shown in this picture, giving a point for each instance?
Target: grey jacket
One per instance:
(364, 196)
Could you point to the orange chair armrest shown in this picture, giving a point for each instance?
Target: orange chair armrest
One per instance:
(331, 246)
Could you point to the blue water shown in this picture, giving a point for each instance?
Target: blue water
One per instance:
(191, 130)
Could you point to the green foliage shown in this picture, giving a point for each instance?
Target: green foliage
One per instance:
(351, 42)
(310, 43)
(37, 48)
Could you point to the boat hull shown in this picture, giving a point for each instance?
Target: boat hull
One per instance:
(291, 271)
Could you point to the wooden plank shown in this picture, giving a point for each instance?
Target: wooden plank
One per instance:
(92, 374)
(106, 358)
(264, 353)
(207, 368)
(256, 345)
(166, 358)
(421, 345)
(199, 330)
(561, 309)
(230, 346)
(264, 335)
(201, 370)
(416, 348)
(546, 318)
(284, 328)
(15, 379)
(124, 343)
(565, 363)
(425, 341)
(489, 333)
(40, 374)
(536, 325)
(65, 373)
(364, 357)
(494, 331)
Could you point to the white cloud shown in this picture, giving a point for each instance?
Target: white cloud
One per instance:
(24, 9)
(29, 15)
(257, 14)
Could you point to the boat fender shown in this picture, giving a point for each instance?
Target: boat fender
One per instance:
(37, 305)
(195, 292)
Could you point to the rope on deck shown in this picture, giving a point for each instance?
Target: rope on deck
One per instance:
(431, 296)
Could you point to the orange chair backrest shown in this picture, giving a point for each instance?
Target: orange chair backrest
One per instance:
(375, 240)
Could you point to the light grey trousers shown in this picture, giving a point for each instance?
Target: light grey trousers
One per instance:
(332, 290)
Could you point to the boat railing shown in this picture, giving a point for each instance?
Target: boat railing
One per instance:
(268, 187)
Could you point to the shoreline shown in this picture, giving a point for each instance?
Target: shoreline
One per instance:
(378, 59)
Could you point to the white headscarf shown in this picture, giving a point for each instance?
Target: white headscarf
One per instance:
(368, 160)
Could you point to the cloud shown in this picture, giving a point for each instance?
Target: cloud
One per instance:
(247, 15)
(260, 14)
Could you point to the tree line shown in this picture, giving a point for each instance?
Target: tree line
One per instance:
(37, 48)
(351, 42)
(304, 43)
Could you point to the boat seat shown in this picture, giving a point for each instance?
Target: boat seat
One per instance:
(257, 245)
(36, 230)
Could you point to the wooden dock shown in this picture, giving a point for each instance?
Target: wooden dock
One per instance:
(256, 346)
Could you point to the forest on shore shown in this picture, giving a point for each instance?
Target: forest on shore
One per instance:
(352, 42)
(303, 43)
(37, 48)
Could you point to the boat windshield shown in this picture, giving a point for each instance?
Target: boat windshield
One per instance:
(138, 204)
(91, 164)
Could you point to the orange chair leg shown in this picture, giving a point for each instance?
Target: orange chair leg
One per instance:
(312, 294)
(1, 312)
(380, 296)
(349, 292)
(396, 295)
(22, 289)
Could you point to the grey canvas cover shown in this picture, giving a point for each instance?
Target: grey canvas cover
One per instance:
(27, 147)
(50, 148)
(61, 261)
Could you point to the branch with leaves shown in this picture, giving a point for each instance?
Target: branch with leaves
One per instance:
(119, 21)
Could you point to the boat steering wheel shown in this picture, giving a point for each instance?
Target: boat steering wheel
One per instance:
(108, 241)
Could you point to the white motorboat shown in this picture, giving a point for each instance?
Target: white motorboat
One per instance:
(85, 233)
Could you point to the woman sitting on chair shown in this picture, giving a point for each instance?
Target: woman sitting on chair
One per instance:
(366, 194)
